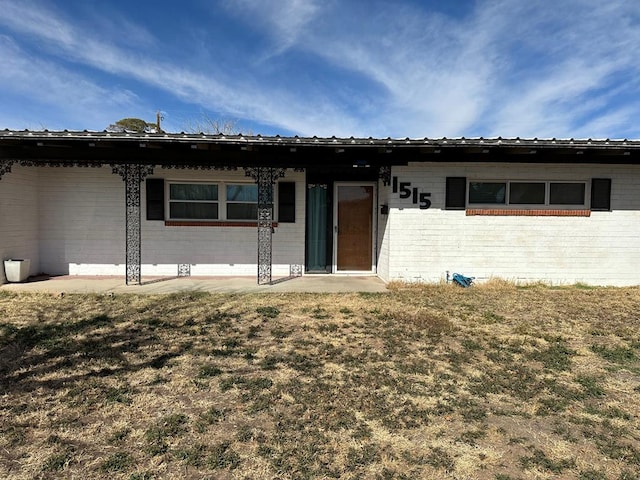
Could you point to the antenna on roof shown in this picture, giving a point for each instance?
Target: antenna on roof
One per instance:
(159, 118)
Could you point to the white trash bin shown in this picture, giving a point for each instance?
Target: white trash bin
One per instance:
(17, 269)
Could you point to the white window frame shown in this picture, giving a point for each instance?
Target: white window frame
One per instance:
(169, 201)
(222, 200)
(546, 205)
(227, 202)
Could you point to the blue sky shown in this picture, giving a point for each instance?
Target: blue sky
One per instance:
(568, 68)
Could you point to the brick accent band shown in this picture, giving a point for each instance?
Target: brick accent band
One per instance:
(180, 223)
(508, 212)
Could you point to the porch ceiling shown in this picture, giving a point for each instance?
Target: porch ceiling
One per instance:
(239, 150)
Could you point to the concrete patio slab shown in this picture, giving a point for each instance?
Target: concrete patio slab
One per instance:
(105, 285)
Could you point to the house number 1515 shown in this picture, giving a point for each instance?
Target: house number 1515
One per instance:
(404, 190)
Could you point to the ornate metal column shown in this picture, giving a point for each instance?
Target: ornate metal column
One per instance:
(133, 175)
(5, 167)
(265, 177)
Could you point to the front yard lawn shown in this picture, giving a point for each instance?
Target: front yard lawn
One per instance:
(427, 381)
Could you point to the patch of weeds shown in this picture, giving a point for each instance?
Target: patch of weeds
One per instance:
(590, 386)
(251, 384)
(360, 457)
(471, 436)
(119, 395)
(268, 312)
(328, 327)
(617, 354)
(627, 475)
(438, 458)
(300, 362)
(320, 313)
(57, 462)
(347, 312)
(362, 432)
(280, 333)
(539, 459)
(244, 434)
(618, 451)
(158, 380)
(169, 426)
(211, 416)
(490, 318)
(141, 476)
(592, 475)
(551, 405)
(162, 360)
(207, 371)
(253, 331)
(557, 356)
(471, 345)
(118, 436)
(270, 362)
(610, 412)
(14, 435)
(223, 456)
(118, 462)
(192, 456)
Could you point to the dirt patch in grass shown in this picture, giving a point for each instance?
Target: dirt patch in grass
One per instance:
(493, 382)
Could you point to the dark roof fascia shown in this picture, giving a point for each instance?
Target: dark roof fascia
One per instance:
(183, 148)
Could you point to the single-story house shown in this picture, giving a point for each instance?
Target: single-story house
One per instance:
(158, 204)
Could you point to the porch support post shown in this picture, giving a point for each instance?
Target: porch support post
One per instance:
(5, 167)
(133, 175)
(265, 177)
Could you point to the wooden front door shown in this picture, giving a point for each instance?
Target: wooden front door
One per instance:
(354, 227)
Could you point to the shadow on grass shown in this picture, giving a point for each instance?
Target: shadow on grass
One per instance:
(98, 346)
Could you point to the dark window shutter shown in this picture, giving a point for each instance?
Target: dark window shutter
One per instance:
(456, 195)
(601, 194)
(286, 202)
(155, 199)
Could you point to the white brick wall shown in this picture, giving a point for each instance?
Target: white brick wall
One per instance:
(82, 229)
(19, 217)
(220, 250)
(72, 221)
(82, 221)
(384, 234)
(600, 249)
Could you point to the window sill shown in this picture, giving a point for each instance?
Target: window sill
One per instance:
(512, 212)
(188, 223)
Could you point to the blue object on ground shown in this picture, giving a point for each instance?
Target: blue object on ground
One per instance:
(462, 280)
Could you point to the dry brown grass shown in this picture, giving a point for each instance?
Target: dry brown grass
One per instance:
(494, 382)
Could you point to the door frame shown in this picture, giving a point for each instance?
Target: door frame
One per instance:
(374, 227)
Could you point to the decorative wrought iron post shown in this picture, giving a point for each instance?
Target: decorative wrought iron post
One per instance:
(5, 167)
(133, 175)
(265, 177)
(384, 173)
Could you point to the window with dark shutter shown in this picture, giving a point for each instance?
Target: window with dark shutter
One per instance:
(286, 202)
(155, 199)
(456, 193)
(601, 194)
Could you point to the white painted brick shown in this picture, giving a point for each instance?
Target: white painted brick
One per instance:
(601, 249)
(18, 217)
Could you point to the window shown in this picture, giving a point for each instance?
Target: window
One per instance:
(566, 193)
(487, 192)
(212, 201)
(242, 202)
(527, 193)
(193, 201)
